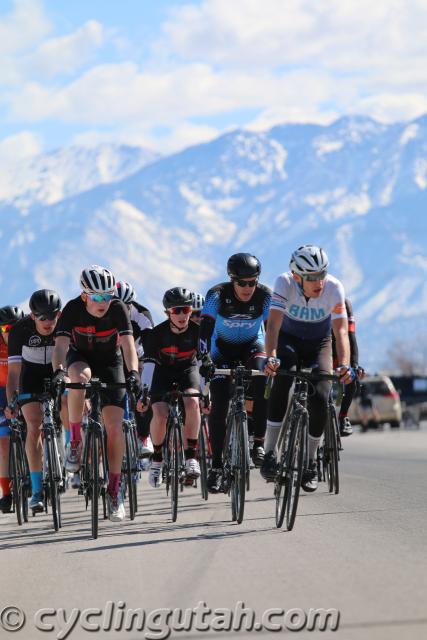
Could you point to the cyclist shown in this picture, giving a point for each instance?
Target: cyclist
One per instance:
(350, 389)
(31, 344)
(92, 333)
(307, 302)
(8, 316)
(170, 356)
(141, 321)
(197, 304)
(232, 331)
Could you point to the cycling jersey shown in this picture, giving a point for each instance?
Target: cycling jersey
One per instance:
(228, 321)
(141, 316)
(141, 321)
(308, 318)
(28, 346)
(163, 347)
(3, 363)
(97, 338)
(170, 358)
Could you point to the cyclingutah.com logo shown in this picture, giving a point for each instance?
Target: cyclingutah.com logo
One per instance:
(158, 624)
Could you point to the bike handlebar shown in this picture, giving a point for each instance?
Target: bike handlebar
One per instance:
(94, 384)
(247, 373)
(176, 393)
(304, 374)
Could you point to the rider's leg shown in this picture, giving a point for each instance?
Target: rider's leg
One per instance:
(220, 397)
(33, 417)
(278, 400)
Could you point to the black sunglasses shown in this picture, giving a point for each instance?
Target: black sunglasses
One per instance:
(246, 283)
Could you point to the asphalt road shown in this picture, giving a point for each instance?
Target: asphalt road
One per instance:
(362, 553)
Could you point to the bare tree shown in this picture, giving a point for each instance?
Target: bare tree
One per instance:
(409, 357)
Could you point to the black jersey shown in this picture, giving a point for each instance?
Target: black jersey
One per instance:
(163, 347)
(27, 346)
(95, 337)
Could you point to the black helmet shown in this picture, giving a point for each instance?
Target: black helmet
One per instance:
(45, 302)
(243, 265)
(177, 297)
(10, 315)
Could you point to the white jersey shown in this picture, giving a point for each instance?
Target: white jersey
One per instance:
(308, 318)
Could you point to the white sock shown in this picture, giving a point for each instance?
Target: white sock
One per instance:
(272, 435)
(313, 444)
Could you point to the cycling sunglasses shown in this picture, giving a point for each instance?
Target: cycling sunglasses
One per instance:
(5, 328)
(315, 277)
(46, 316)
(246, 283)
(175, 311)
(100, 297)
(196, 314)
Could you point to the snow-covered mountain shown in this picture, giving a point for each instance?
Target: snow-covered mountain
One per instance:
(356, 187)
(49, 178)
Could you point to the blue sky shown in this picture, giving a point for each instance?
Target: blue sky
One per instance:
(166, 74)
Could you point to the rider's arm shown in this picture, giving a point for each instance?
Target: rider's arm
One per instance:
(13, 375)
(340, 329)
(354, 349)
(60, 352)
(274, 322)
(14, 361)
(208, 319)
(127, 344)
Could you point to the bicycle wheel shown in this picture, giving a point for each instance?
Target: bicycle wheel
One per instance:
(295, 462)
(174, 469)
(130, 484)
(15, 475)
(26, 479)
(52, 483)
(280, 480)
(239, 467)
(135, 468)
(203, 460)
(330, 455)
(94, 482)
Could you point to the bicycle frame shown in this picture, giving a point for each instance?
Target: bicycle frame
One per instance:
(94, 475)
(236, 472)
(53, 475)
(19, 470)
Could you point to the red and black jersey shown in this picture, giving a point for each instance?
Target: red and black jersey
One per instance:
(92, 336)
(163, 347)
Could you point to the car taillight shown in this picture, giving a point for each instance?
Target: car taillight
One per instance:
(391, 394)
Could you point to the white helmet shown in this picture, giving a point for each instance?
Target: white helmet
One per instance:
(308, 259)
(198, 302)
(125, 292)
(96, 279)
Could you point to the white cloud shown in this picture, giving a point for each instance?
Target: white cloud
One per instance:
(293, 61)
(390, 107)
(65, 54)
(122, 91)
(23, 27)
(363, 34)
(19, 147)
(180, 136)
